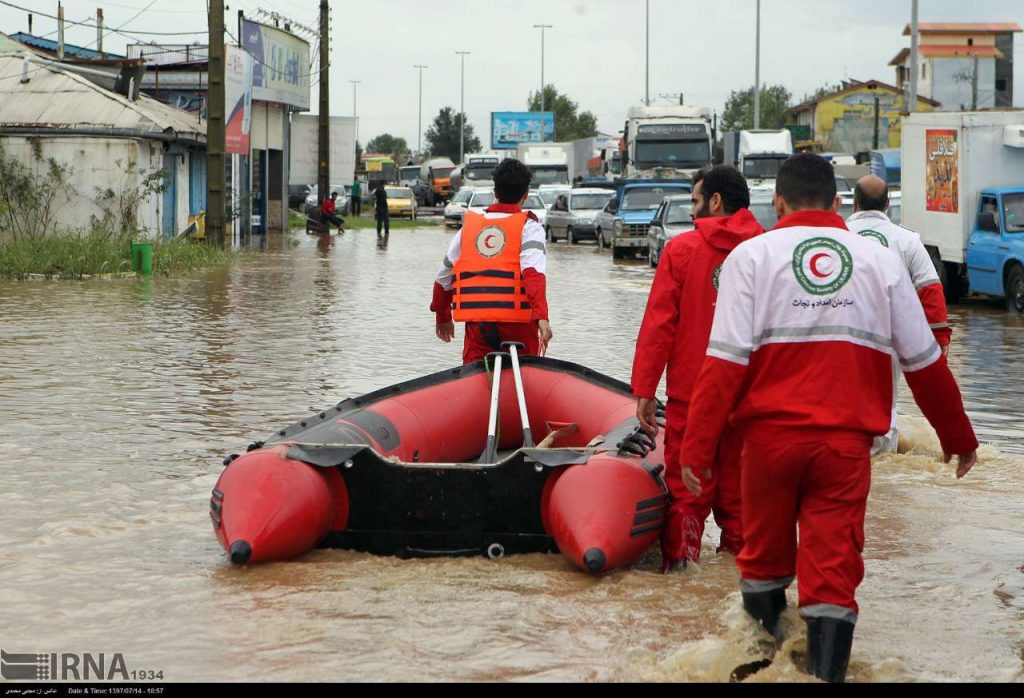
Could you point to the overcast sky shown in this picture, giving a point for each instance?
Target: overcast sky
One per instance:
(594, 52)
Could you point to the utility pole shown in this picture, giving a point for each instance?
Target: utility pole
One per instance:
(542, 27)
(462, 109)
(419, 123)
(99, 31)
(60, 31)
(912, 96)
(757, 69)
(875, 146)
(355, 112)
(323, 146)
(647, 56)
(215, 168)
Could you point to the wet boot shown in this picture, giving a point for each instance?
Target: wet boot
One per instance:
(829, 641)
(765, 607)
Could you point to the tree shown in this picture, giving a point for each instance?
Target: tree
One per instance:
(387, 144)
(739, 108)
(823, 91)
(569, 125)
(443, 135)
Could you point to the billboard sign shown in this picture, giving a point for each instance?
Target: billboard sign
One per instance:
(282, 70)
(238, 68)
(942, 190)
(510, 128)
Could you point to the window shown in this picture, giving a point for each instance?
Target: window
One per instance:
(970, 42)
(924, 70)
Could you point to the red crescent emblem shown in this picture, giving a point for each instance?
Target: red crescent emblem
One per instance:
(814, 265)
(487, 242)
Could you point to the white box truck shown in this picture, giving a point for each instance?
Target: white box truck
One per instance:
(963, 192)
(757, 154)
(549, 162)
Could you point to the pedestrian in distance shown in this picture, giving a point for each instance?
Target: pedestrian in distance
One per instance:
(329, 212)
(809, 316)
(380, 198)
(675, 332)
(869, 219)
(356, 200)
(493, 276)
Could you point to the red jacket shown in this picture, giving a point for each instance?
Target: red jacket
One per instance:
(328, 208)
(681, 305)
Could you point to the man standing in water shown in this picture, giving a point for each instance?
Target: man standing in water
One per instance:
(809, 316)
(493, 274)
(380, 200)
(675, 331)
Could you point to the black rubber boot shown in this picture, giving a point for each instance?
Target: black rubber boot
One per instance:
(766, 607)
(829, 641)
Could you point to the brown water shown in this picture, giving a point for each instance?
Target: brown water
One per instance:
(118, 400)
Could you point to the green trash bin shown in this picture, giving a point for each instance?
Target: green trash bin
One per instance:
(142, 258)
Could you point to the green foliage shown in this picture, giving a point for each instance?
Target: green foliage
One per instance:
(739, 108)
(569, 123)
(387, 144)
(30, 198)
(443, 135)
(120, 209)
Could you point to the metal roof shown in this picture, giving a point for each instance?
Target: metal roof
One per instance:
(964, 28)
(51, 46)
(54, 98)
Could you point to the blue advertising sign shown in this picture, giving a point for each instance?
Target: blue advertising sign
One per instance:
(510, 128)
(281, 71)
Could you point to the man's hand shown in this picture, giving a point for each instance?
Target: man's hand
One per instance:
(964, 462)
(544, 332)
(691, 480)
(445, 331)
(645, 408)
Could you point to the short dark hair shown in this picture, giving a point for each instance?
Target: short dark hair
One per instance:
(727, 182)
(700, 174)
(807, 180)
(511, 181)
(334, 193)
(865, 202)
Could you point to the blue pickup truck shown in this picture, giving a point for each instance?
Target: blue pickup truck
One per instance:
(624, 223)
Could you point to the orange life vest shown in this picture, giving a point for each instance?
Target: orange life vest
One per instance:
(488, 277)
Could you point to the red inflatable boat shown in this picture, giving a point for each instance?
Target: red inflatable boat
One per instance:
(446, 465)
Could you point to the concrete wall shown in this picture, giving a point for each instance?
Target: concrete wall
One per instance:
(951, 82)
(845, 123)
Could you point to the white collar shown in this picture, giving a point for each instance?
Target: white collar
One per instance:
(868, 214)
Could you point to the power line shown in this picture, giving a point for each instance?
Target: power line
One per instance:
(92, 24)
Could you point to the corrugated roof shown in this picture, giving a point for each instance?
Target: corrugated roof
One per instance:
(939, 51)
(55, 98)
(964, 28)
(51, 46)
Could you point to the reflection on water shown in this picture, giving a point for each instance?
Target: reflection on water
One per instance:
(118, 401)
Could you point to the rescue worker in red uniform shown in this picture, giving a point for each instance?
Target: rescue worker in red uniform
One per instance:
(675, 331)
(493, 276)
(809, 316)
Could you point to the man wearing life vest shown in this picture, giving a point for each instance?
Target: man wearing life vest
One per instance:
(870, 202)
(808, 317)
(492, 278)
(675, 331)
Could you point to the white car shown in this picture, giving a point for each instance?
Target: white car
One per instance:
(480, 200)
(548, 193)
(457, 206)
(536, 206)
(342, 204)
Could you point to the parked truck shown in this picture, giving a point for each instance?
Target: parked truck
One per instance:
(549, 162)
(666, 143)
(478, 169)
(757, 154)
(963, 192)
(303, 153)
(436, 175)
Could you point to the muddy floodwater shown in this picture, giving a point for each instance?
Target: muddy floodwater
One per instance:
(119, 400)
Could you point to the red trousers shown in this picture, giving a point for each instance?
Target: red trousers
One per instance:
(819, 483)
(484, 337)
(687, 513)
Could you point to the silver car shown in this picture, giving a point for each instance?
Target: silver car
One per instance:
(573, 215)
(672, 218)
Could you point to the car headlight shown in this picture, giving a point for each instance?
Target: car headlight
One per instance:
(585, 221)
(617, 225)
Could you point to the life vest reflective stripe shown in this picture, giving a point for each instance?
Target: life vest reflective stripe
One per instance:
(488, 278)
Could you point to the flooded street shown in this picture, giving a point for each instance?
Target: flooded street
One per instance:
(119, 400)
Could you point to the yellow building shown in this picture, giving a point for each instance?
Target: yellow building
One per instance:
(844, 121)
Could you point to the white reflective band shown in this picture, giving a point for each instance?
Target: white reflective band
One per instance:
(923, 283)
(922, 360)
(827, 610)
(828, 330)
(756, 586)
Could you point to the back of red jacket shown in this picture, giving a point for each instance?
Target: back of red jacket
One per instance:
(677, 323)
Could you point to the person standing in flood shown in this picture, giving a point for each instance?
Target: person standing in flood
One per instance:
(809, 316)
(674, 332)
(380, 200)
(493, 276)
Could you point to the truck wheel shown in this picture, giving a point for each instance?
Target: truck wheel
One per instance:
(616, 253)
(952, 287)
(1015, 289)
(570, 236)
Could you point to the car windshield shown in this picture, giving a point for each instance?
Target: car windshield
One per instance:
(550, 177)
(589, 202)
(440, 172)
(678, 213)
(1013, 212)
(409, 172)
(842, 185)
(463, 196)
(645, 198)
(672, 153)
(482, 198)
(764, 212)
(533, 203)
(478, 173)
(393, 193)
(762, 168)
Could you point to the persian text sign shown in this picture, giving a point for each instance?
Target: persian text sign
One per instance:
(942, 193)
(282, 70)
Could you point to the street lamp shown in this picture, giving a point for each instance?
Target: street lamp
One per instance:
(355, 114)
(419, 146)
(542, 27)
(647, 56)
(757, 70)
(462, 108)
